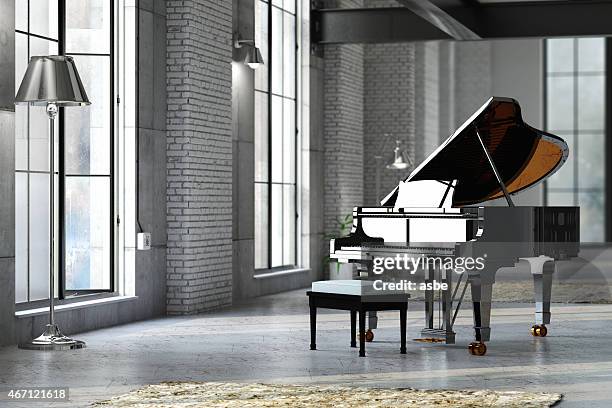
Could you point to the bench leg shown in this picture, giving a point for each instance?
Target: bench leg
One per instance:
(353, 328)
(362, 324)
(313, 327)
(403, 318)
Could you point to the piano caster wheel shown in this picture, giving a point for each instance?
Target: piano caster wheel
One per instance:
(369, 336)
(477, 348)
(539, 330)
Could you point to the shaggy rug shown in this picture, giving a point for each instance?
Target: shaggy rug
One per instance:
(235, 395)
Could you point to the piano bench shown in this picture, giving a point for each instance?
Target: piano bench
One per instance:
(358, 304)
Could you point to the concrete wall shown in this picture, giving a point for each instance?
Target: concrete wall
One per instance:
(150, 266)
(199, 194)
(7, 171)
(150, 276)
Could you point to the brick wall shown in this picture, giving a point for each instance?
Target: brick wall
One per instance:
(389, 108)
(343, 128)
(199, 155)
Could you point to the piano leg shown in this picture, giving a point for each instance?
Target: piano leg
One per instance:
(481, 301)
(372, 316)
(429, 300)
(372, 320)
(447, 306)
(542, 269)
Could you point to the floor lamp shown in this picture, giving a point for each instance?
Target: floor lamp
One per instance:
(401, 161)
(53, 82)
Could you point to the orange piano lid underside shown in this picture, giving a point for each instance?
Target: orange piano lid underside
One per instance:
(546, 157)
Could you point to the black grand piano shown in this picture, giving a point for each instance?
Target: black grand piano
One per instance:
(437, 211)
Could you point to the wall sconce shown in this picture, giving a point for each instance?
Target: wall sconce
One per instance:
(253, 56)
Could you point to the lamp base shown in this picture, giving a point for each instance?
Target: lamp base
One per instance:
(52, 339)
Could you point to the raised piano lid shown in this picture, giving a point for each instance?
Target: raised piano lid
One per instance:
(523, 155)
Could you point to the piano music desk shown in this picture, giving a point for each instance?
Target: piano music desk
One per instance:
(358, 304)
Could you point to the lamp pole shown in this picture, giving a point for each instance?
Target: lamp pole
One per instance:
(378, 162)
(52, 113)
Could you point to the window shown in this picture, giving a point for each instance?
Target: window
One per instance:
(84, 157)
(575, 106)
(275, 135)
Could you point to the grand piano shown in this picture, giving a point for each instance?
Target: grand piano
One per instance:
(438, 211)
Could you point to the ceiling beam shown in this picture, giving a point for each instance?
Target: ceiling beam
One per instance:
(538, 19)
(487, 21)
(371, 25)
(440, 19)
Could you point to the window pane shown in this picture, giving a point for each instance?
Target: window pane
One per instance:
(564, 177)
(591, 102)
(591, 216)
(39, 121)
(88, 128)
(277, 225)
(278, 3)
(277, 139)
(277, 51)
(288, 225)
(289, 52)
(289, 5)
(21, 237)
(21, 15)
(261, 136)
(560, 103)
(591, 161)
(591, 53)
(88, 26)
(261, 41)
(288, 141)
(261, 225)
(560, 55)
(21, 137)
(87, 233)
(39, 139)
(39, 46)
(39, 236)
(561, 199)
(43, 17)
(21, 58)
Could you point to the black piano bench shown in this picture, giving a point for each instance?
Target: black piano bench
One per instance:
(361, 304)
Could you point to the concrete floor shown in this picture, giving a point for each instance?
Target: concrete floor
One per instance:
(267, 340)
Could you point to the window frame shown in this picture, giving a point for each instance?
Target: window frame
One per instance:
(269, 95)
(62, 292)
(576, 131)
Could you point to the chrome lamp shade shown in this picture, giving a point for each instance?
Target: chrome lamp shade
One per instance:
(253, 58)
(52, 79)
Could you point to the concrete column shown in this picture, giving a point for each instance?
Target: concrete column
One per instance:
(7, 171)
